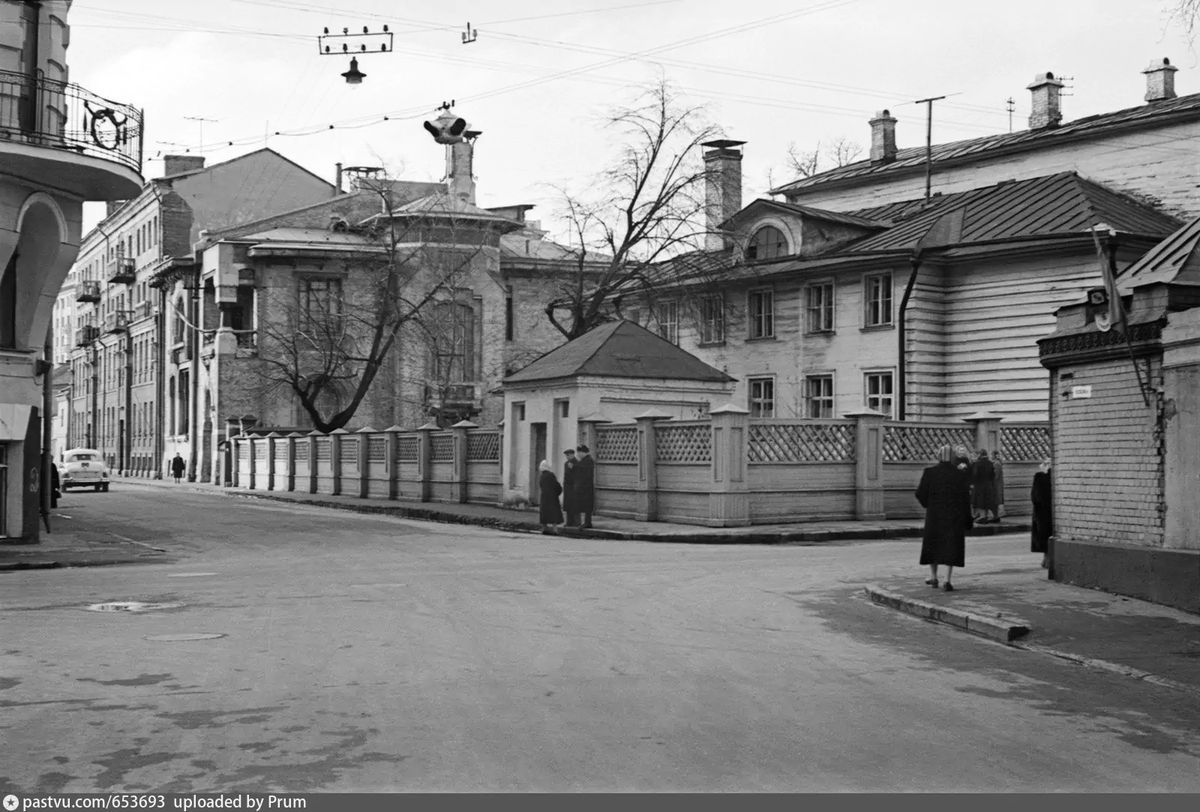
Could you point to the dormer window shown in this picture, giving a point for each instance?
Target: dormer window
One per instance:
(767, 243)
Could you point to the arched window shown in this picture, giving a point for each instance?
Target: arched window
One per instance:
(180, 324)
(453, 339)
(767, 243)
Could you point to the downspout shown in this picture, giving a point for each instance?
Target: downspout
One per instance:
(94, 426)
(901, 333)
(47, 455)
(194, 355)
(160, 374)
(127, 440)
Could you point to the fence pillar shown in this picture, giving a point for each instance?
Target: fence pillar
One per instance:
(254, 483)
(729, 489)
(646, 505)
(291, 459)
(503, 476)
(312, 460)
(987, 431)
(393, 463)
(459, 431)
(868, 464)
(425, 460)
(272, 439)
(364, 461)
(335, 459)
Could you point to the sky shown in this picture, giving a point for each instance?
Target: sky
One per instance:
(540, 76)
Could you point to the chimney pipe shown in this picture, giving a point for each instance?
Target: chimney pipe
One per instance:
(460, 159)
(337, 187)
(1046, 112)
(883, 138)
(1160, 80)
(722, 189)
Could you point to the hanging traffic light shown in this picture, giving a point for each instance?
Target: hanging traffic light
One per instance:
(447, 128)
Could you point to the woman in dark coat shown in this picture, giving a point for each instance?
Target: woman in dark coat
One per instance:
(946, 497)
(983, 489)
(549, 510)
(1043, 522)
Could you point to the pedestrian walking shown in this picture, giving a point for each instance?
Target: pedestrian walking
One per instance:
(549, 511)
(178, 466)
(54, 491)
(1043, 516)
(585, 486)
(983, 489)
(945, 495)
(568, 487)
(999, 480)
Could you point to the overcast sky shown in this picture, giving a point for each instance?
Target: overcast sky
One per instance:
(540, 74)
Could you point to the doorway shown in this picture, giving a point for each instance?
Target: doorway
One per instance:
(537, 451)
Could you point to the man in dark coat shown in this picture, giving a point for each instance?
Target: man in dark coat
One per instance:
(585, 486)
(568, 486)
(946, 497)
(178, 466)
(1043, 515)
(54, 483)
(983, 489)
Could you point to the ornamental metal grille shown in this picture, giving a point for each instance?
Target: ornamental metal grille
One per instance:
(801, 442)
(683, 443)
(323, 451)
(280, 452)
(348, 453)
(376, 449)
(442, 448)
(408, 449)
(1024, 443)
(243, 452)
(483, 446)
(617, 444)
(301, 451)
(921, 443)
(260, 452)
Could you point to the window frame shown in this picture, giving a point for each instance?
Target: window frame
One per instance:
(668, 328)
(752, 318)
(869, 300)
(712, 319)
(890, 397)
(826, 308)
(304, 290)
(779, 248)
(753, 402)
(823, 399)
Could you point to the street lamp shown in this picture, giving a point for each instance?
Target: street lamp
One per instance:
(354, 76)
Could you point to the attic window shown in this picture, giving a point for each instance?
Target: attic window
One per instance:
(767, 243)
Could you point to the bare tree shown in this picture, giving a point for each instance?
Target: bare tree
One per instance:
(840, 151)
(1186, 14)
(647, 207)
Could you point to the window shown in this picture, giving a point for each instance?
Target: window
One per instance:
(180, 324)
(767, 243)
(762, 397)
(818, 395)
(761, 307)
(321, 302)
(668, 321)
(564, 408)
(820, 308)
(519, 412)
(712, 320)
(878, 297)
(452, 335)
(878, 389)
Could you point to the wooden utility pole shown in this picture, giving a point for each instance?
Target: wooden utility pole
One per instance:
(928, 143)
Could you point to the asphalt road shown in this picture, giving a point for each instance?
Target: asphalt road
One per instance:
(372, 654)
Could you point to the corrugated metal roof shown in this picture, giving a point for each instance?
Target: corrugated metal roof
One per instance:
(913, 157)
(1175, 259)
(752, 210)
(619, 349)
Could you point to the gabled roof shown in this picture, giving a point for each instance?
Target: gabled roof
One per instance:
(1050, 206)
(912, 159)
(756, 208)
(619, 349)
(1174, 260)
(243, 157)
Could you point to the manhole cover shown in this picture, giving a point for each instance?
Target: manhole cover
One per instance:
(190, 574)
(131, 606)
(182, 638)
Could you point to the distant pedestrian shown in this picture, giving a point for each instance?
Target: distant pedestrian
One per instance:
(178, 466)
(983, 489)
(1043, 516)
(54, 491)
(568, 486)
(999, 480)
(585, 486)
(549, 512)
(946, 497)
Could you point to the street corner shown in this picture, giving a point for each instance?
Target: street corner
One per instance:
(940, 607)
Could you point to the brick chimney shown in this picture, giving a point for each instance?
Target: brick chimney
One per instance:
(175, 164)
(460, 160)
(1160, 80)
(883, 138)
(1046, 112)
(722, 189)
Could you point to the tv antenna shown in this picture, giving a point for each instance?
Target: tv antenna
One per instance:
(929, 139)
(200, 120)
(470, 35)
(1010, 106)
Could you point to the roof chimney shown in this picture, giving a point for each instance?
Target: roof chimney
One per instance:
(722, 189)
(1046, 112)
(460, 159)
(883, 138)
(1160, 80)
(176, 164)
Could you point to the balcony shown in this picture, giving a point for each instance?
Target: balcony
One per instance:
(67, 137)
(88, 291)
(142, 310)
(122, 271)
(85, 335)
(116, 322)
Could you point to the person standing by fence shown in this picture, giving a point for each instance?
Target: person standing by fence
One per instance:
(568, 485)
(1043, 516)
(946, 497)
(585, 486)
(983, 489)
(549, 512)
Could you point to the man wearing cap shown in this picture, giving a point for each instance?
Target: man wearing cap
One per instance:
(568, 484)
(585, 486)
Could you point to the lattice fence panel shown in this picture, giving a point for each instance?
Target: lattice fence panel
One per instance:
(617, 444)
(260, 451)
(921, 443)
(302, 450)
(483, 446)
(807, 442)
(683, 443)
(348, 451)
(442, 449)
(1024, 443)
(323, 450)
(280, 454)
(408, 448)
(243, 451)
(376, 449)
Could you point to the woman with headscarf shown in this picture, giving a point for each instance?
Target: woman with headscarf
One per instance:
(946, 497)
(549, 509)
(1043, 517)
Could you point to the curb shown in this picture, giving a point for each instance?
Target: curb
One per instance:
(1004, 630)
(1113, 668)
(14, 566)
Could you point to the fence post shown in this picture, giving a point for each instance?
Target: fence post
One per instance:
(291, 460)
(729, 491)
(425, 460)
(393, 464)
(646, 506)
(364, 459)
(233, 449)
(335, 459)
(461, 484)
(253, 462)
(868, 464)
(272, 439)
(987, 430)
(503, 479)
(312, 460)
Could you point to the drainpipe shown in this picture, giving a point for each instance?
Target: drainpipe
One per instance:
(901, 382)
(194, 368)
(47, 454)
(127, 439)
(160, 374)
(94, 428)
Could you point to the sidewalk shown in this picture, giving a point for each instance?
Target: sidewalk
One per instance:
(525, 520)
(76, 548)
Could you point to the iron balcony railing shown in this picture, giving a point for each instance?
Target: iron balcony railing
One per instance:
(88, 291)
(116, 321)
(86, 334)
(65, 116)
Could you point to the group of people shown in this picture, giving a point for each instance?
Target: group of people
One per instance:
(956, 493)
(578, 491)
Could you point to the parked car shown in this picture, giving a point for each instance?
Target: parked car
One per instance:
(84, 468)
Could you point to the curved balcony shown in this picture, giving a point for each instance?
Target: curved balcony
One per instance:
(63, 136)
